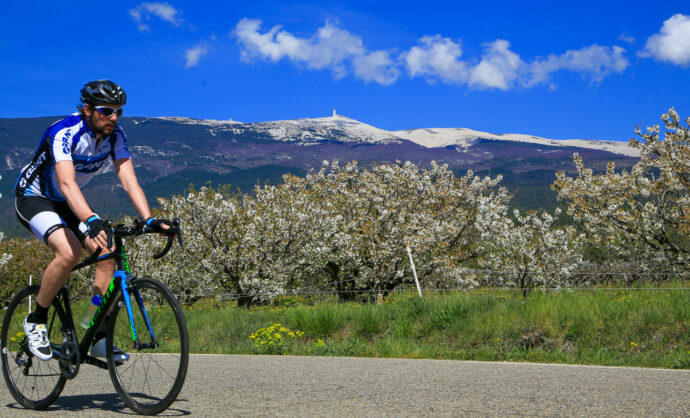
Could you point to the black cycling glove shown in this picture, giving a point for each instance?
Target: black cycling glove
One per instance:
(157, 223)
(94, 226)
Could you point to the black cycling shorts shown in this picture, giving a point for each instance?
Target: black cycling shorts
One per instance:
(43, 216)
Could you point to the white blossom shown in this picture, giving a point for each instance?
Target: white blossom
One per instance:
(643, 214)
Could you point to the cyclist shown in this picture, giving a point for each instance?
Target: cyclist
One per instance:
(49, 201)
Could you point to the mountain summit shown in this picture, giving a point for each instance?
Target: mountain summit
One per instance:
(309, 131)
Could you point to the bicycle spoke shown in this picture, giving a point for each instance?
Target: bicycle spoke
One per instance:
(146, 377)
(161, 367)
(151, 379)
(43, 382)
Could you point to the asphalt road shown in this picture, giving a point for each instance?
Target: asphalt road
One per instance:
(225, 385)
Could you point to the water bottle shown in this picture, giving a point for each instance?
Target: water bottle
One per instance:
(90, 311)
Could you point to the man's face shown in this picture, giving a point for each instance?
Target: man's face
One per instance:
(102, 125)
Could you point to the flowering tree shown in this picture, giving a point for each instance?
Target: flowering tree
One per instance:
(644, 213)
(379, 212)
(247, 245)
(4, 258)
(530, 251)
(6, 289)
(343, 229)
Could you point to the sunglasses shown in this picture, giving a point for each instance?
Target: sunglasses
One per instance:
(108, 112)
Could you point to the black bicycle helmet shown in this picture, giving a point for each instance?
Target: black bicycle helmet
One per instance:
(103, 91)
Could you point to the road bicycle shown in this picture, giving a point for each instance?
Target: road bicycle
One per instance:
(138, 315)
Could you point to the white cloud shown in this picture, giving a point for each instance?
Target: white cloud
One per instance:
(627, 39)
(376, 66)
(163, 11)
(498, 68)
(672, 43)
(193, 55)
(330, 48)
(435, 58)
(439, 58)
(594, 61)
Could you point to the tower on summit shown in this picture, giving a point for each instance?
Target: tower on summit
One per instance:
(334, 112)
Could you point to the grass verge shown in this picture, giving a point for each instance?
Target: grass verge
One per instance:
(642, 327)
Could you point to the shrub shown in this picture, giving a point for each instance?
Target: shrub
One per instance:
(30, 258)
(275, 339)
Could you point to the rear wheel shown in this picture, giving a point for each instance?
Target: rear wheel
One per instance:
(34, 383)
(150, 380)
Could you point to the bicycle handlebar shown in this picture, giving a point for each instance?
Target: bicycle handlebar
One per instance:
(139, 228)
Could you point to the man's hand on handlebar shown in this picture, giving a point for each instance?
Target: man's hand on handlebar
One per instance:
(160, 225)
(170, 228)
(97, 232)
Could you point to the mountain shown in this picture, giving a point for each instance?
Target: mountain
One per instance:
(169, 153)
(343, 129)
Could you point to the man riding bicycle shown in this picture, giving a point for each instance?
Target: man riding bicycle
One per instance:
(49, 201)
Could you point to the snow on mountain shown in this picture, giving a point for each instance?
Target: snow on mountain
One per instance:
(465, 138)
(311, 131)
(442, 137)
(192, 121)
(340, 128)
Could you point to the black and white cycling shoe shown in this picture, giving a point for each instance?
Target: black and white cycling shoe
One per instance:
(37, 334)
(98, 350)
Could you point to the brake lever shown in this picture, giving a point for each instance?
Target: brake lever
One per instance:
(109, 233)
(110, 238)
(139, 224)
(178, 231)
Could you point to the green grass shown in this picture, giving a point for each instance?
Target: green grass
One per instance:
(641, 327)
(633, 327)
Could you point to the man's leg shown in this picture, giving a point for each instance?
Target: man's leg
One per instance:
(104, 270)
(67, 250)
(104, 274)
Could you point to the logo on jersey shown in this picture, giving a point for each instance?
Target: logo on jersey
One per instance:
(65, 143)
(31, 169)
(88, 167)
(35, 165)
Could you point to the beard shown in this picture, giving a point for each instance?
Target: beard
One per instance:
(105, 129)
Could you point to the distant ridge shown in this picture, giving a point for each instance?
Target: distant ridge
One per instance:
(309, 130)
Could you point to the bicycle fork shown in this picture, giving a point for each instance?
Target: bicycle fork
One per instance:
(126, 291)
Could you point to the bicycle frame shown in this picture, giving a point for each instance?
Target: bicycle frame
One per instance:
(118, 285)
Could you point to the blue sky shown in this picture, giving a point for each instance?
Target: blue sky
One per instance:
(588, 69)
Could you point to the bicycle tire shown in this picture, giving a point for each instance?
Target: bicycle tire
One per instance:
(38, 385)
(151, 379)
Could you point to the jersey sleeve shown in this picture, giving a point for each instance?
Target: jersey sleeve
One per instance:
(61, 145)
(120, 148)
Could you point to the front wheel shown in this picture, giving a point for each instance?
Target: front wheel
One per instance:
(34, 383)
(158, 347)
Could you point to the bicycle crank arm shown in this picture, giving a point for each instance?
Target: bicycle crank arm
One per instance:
(57, 355)
(96, 362)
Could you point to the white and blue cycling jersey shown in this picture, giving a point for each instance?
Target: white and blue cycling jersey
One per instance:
(69, 139)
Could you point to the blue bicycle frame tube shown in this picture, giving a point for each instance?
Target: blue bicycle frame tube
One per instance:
(140, 302)
(128, 303)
